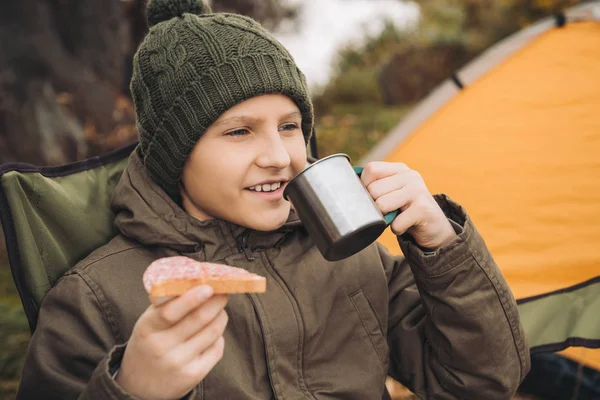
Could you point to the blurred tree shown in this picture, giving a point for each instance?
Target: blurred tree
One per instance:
(450, 33)
(65, 68)
(434, 63)
(388, 73)
(61, 78)
(406, 65)
(270, 13)
(477, 24)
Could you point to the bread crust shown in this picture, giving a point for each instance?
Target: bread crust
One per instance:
(166, 290)
(168, 277)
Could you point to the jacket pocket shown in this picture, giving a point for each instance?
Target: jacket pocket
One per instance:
(372, 325)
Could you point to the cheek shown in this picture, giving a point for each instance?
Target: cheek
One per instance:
(203, 174)
(296, 148)
(217, 179)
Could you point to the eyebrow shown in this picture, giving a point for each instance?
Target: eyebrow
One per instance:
(246, 119)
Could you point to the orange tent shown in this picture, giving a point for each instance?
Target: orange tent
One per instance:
(515, 138)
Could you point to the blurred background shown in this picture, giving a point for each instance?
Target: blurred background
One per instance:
(65, 67)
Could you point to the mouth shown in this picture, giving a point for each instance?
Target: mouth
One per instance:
(271, 190)
(267, 187)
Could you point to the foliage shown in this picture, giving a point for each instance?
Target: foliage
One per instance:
(270, 13)
(14, 338)
(477, 24)
(14, 331)
(354, 128)
(399, 67)
(355, 77)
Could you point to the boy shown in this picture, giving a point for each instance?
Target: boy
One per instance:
(224, 118)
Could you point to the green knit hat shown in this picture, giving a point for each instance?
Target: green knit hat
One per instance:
(193, 66)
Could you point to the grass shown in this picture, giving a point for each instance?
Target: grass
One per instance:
(14, 331)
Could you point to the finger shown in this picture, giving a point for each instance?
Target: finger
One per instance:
(378, 170)
(198, 368)
(196, 320)
(405, 220)
(205, 338)
(399, 199)
(390, 184)
(168, 314)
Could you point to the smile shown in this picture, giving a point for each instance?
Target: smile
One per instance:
(266, 187)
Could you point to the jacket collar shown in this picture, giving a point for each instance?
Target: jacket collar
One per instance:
(145, 213)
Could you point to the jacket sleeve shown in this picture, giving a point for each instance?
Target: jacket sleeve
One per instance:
(73, 351)
(453, 327)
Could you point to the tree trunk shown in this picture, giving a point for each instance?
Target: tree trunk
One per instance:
(62, 72)
(65, 68)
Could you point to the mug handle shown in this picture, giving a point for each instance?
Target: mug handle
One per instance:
(389, 217)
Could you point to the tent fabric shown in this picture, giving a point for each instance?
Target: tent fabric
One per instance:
(519, 147)
(471, 72)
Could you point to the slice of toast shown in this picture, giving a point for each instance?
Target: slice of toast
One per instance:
(172, 276)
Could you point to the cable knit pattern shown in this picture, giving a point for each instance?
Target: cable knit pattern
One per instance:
(192, 68)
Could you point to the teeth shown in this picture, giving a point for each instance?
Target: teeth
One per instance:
(266, 187)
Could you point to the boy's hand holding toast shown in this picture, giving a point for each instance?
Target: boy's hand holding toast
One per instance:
(178, 340)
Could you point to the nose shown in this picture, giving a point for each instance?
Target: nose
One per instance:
(273, 152)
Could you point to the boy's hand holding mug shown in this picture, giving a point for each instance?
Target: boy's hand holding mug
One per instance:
(394, 186)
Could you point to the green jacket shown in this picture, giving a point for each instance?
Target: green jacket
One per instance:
(443, 323)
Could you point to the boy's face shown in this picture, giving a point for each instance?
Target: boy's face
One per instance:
(251, 149)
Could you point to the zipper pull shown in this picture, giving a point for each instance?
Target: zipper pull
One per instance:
(248, 253)
(243, 248)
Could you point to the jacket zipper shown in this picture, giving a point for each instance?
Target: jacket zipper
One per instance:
(242, 246)
(269, 267)
(266, 347)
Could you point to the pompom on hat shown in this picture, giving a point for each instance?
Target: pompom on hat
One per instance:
(192, 67)
(163, 10)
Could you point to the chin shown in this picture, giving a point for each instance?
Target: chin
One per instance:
(268, 222)
(266, 226)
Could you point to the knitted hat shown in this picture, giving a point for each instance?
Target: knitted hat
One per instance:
(193, 66)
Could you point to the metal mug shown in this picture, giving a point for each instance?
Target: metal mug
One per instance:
(335, 207)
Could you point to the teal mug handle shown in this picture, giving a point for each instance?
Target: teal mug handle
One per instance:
(389, 217)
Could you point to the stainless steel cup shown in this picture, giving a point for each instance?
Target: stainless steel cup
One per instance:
(336, 209)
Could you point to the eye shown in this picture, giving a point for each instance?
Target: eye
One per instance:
(237, 132)
(288, 127)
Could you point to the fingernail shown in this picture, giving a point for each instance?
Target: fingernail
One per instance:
(204, 292)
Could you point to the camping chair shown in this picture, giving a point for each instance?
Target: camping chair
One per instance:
(55, 216)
